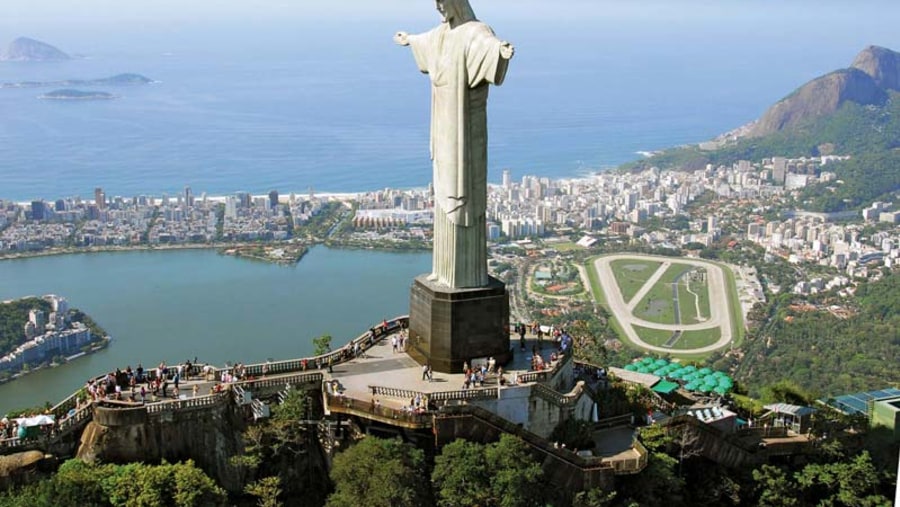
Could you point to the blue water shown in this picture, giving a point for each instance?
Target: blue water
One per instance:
(267, 99)
(175, 305)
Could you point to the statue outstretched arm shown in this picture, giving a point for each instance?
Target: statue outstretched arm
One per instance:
(401, 38)
(507, 50)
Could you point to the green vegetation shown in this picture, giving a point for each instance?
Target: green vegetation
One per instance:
(658, 305)
(698, 338)
(79, 483)
(13, 316)
(689, 302)
(870, 134)
(656, 337)
(380, 473)
(497, 474)
(278, 454)
(823, 353)
(322, 344)
(631, 274)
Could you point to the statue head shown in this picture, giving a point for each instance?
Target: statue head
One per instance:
(455, 11)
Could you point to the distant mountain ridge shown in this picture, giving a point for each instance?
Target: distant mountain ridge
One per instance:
(874, 72)
(24, 49)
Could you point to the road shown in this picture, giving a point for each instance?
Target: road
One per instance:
(720, 316)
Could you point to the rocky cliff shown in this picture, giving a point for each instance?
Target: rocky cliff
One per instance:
(209, 435)
(875, 70)
(24, 49)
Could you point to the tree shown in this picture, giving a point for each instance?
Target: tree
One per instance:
(267, 490)
(321, 344)
(774, 487)
(80, 483)
(379, 473)
(500, 474)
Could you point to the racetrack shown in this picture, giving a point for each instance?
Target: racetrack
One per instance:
(720, 316)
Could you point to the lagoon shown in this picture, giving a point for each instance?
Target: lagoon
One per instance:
(175, 305)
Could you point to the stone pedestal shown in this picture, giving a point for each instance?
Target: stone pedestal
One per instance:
(450, 326)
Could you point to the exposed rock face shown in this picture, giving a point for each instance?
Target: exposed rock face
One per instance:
(874, 71)
(882, 64)
(24, 49)
(210, 436)
(23, 468)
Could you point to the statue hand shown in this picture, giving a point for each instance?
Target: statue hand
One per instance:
(401, 38)
(507, 50)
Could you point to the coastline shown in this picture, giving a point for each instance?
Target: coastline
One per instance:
(97, 347)
(385, 247)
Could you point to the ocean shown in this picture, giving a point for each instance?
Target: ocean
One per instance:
(330, 103)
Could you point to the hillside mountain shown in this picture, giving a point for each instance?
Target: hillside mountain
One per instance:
(874, 71)
(24, 49)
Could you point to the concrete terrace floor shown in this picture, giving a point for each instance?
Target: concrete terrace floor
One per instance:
(382, 367)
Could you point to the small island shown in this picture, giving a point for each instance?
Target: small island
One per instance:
(284, 254)
(126, 79)
(77, 95)
(24, 49)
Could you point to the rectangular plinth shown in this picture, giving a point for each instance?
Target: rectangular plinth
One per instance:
(448, 327)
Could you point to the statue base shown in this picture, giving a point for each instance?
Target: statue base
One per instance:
(448, 326)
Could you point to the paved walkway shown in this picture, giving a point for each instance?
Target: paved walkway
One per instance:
(383, 367)
(720, 314)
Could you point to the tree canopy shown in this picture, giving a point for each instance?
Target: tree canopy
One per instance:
(379, 473)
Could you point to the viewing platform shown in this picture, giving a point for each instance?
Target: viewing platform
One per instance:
(369, 380)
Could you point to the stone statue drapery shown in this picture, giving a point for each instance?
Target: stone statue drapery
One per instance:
(462, 56)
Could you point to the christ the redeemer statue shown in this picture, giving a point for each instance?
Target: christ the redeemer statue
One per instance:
(463, 57)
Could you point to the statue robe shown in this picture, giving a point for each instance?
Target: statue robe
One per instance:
(461, 63)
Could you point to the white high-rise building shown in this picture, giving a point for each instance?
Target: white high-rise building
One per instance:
(507, 179)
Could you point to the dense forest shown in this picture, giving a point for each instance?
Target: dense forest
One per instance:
(13, 316)
(824, 354)
(870, 134)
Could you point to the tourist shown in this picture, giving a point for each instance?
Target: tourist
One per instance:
(394, 344)
(430, 373)
(424, 371)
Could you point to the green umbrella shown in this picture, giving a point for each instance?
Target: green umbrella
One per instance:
(643, 369)
(660, 372)
(631, 367)
(692, 386)
(690, 368)
(647, 360)
(710, 381)
(705, 371)
(660, 362)
(705, 388)
(718, 374)
(721, 390)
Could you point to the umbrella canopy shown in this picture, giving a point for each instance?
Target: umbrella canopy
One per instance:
(690, 368)
(631, 367)
(691, 386)
(660, 372)
(705, 371)
(647, 360)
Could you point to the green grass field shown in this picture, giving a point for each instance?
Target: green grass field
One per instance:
(658, 305)
(565, 246)
(631, 274)
(656, 337)
(699, 338)
(688, 302)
